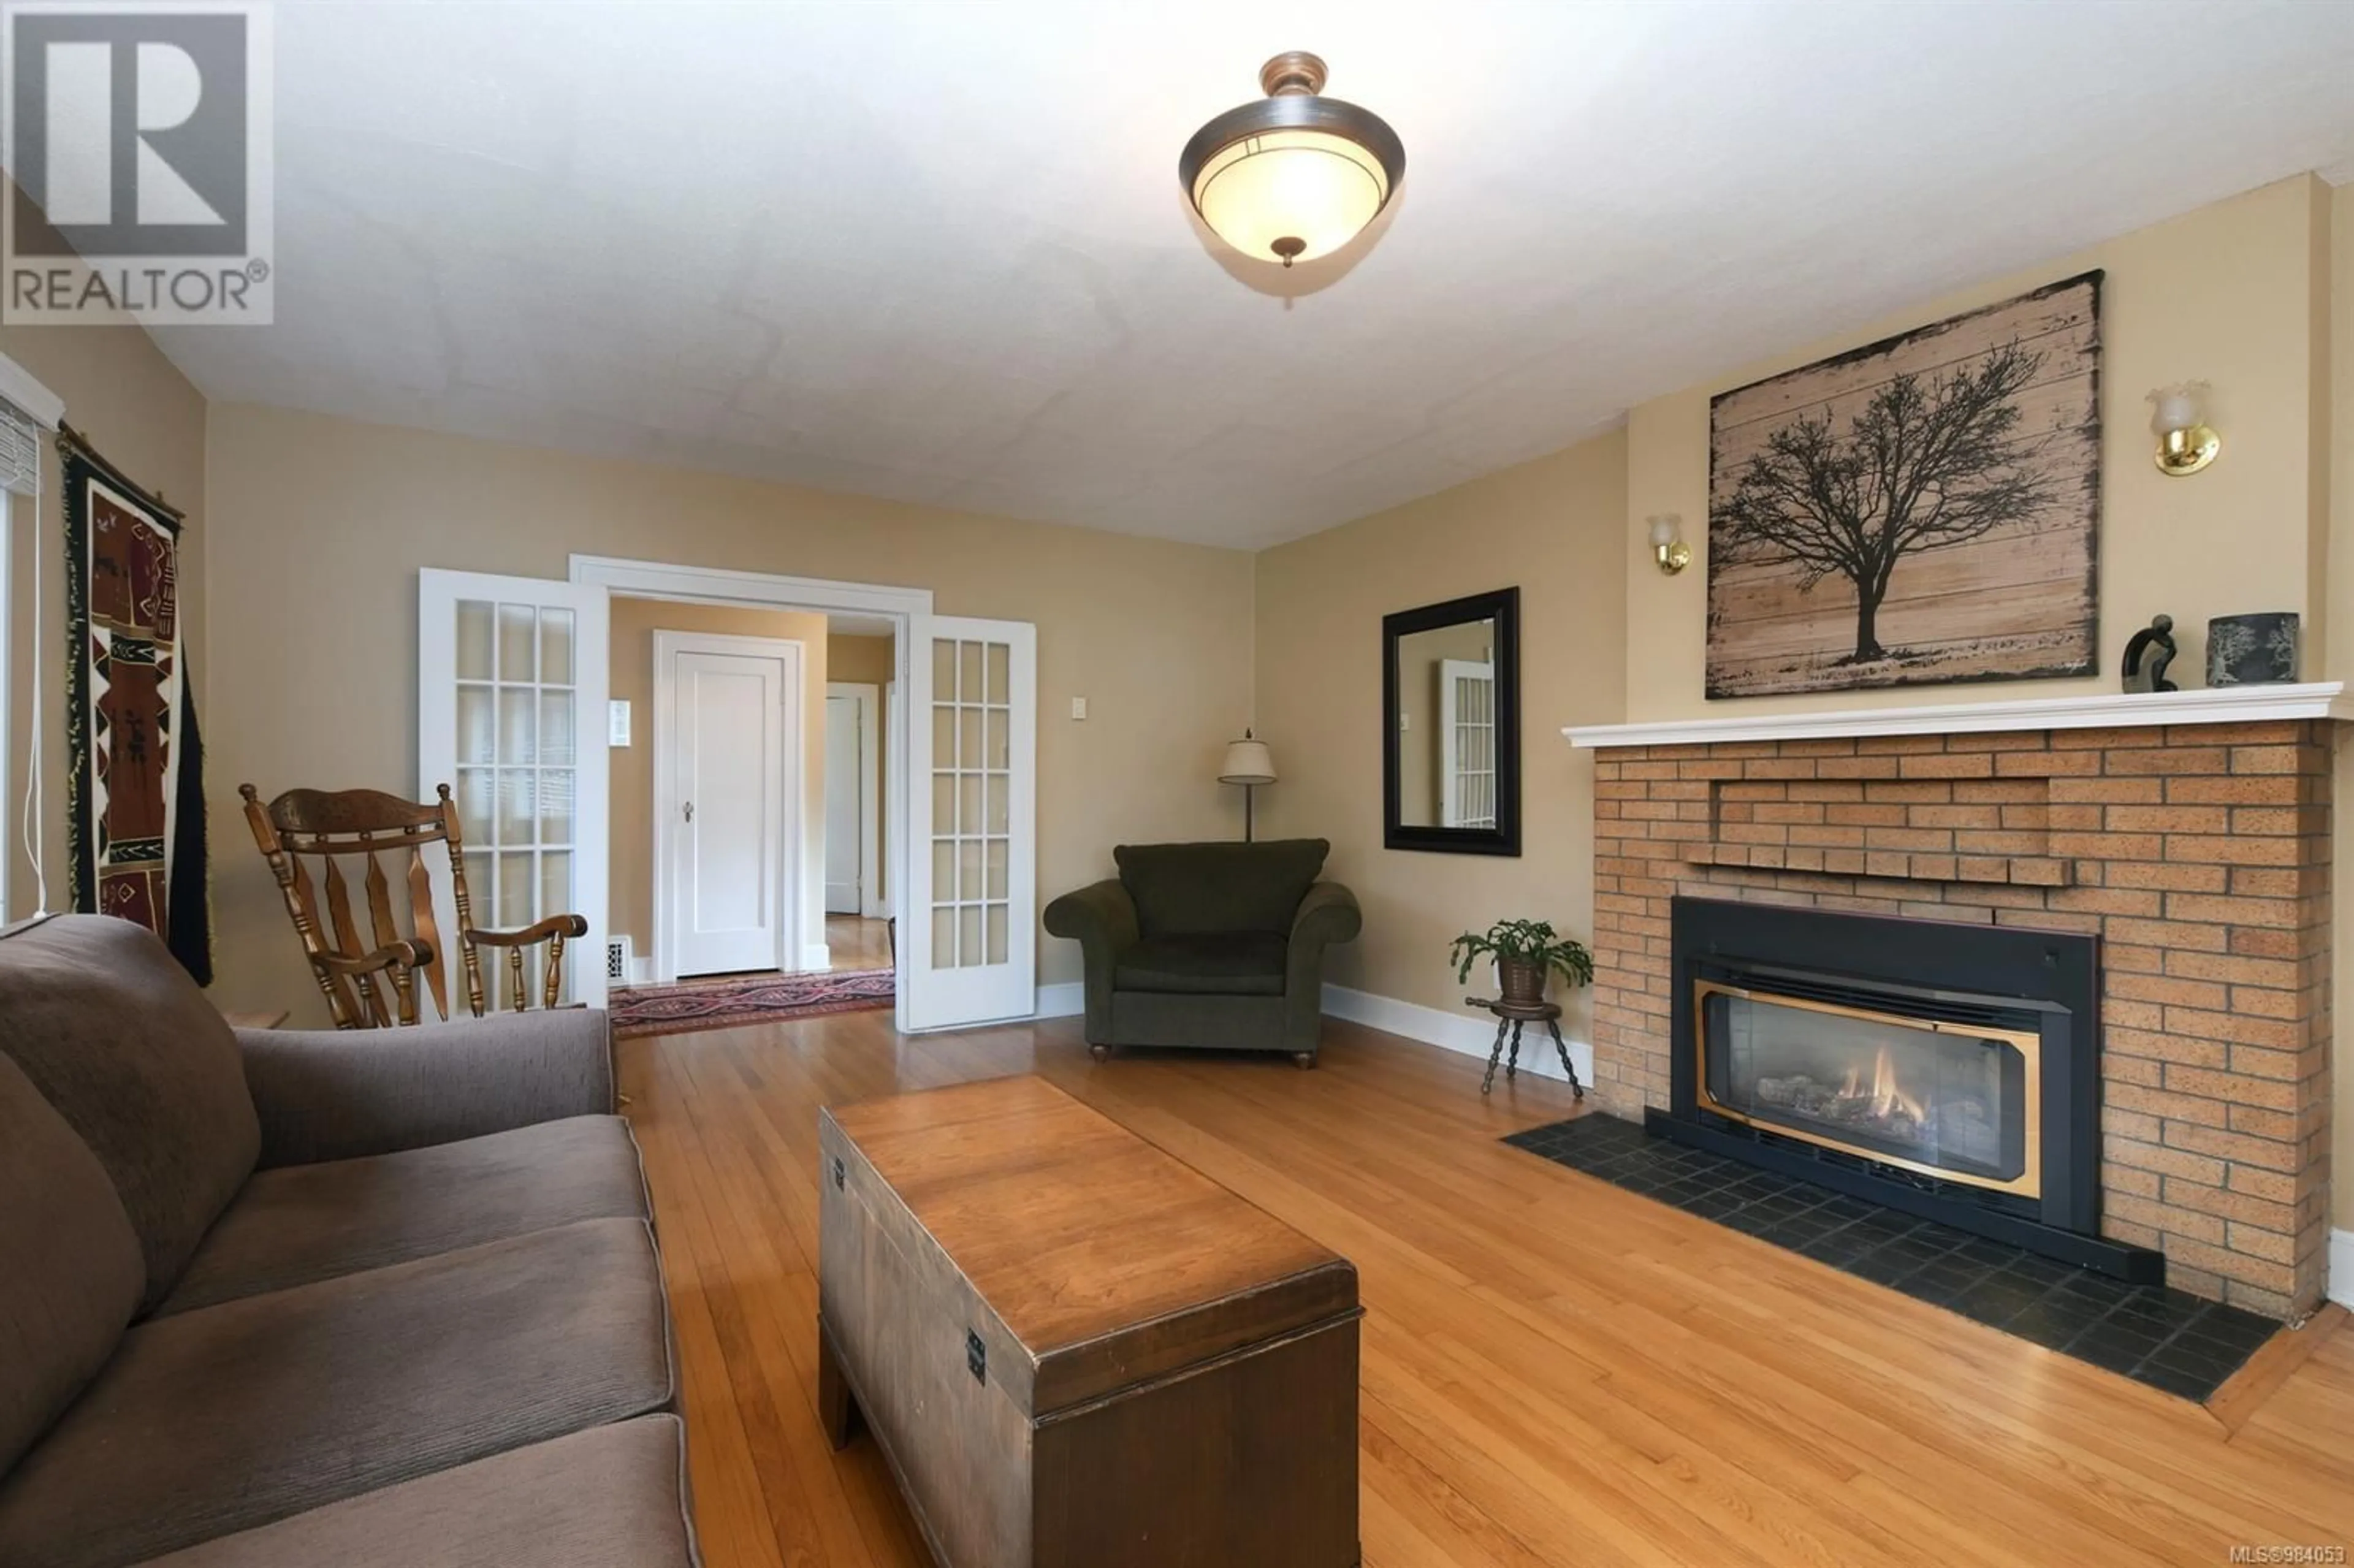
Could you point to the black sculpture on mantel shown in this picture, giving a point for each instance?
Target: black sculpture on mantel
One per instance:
(2154, 642)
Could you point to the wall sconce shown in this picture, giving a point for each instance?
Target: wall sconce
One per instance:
(2185, 443)
(1673, 553)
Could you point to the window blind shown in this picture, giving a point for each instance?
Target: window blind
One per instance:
(20, 450)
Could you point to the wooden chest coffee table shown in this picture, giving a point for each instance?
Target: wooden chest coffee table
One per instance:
(1075, 1350)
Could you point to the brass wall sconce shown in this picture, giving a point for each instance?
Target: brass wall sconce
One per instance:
(1672, 553)
(2185, 443)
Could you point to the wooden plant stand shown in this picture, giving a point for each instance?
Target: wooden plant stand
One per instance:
(1511, 1018)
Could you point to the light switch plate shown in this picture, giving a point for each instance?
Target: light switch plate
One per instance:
(1078, 707)
(617, 722)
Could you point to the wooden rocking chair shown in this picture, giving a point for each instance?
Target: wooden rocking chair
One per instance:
(371, 983)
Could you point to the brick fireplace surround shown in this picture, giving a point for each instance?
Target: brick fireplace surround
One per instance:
(2198, 852)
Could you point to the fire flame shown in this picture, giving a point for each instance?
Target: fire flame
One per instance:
(1886, 1095)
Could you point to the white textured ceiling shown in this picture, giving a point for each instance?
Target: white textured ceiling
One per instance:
(938, 253)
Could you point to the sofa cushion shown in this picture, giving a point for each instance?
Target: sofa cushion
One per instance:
(118, 1038)
(234, 1417)
(1231, 963)
(1190, 889)
(304, 1222)
(614, 1497)
(70, 1269)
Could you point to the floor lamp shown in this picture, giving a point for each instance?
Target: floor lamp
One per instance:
(1250, 765)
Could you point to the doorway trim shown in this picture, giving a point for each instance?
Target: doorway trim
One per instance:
(718, 585)
(869, 698)
(789, 874)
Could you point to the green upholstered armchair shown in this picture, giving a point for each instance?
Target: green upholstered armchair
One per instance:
(1217, 946)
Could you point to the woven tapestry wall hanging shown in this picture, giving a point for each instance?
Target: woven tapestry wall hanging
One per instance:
(1923, 509)
(135, 809)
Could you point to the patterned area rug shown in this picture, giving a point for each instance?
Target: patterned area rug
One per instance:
(733, 1000)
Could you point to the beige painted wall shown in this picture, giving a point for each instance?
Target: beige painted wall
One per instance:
(2223, 294)
(2341, 661)
(142, 413)
(632, 820)
(1553, 527)
(321, 524)
(866, 661)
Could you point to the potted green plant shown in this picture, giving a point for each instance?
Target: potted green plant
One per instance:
(1526, 953)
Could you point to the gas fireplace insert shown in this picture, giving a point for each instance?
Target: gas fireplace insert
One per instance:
(1948, 1070)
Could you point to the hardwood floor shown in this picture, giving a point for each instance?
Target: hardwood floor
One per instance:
(855, 942)
(1555, 1372)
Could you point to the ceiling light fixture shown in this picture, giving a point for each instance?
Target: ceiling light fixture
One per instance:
(1292, 176)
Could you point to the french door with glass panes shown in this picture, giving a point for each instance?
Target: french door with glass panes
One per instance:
(967, 932)
(511, 688)
(1466, 721)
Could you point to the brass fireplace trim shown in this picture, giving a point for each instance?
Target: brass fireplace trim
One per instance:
(2028, 1184)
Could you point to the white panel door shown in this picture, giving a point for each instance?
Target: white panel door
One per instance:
(511, 684)
(845, 805)
(727, 718)
(968, 937)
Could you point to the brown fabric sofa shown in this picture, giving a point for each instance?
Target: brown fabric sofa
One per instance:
(277, 1300)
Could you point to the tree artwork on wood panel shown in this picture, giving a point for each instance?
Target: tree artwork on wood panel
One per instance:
(1925, 509)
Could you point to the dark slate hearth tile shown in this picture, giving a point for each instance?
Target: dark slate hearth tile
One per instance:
(2098, 1288)
(1797, 1230)
(2167, 1339)
(1713, 1206)
(2233, 1326)
(1880, 1268)
(1947, 1275)
(1887, 1224)
(2174, 1381)
(2108, 1344)
(2049, 1323)
(1918, 1247)
(1748, 1221)
(1838, 1248)
(1993, 1254)
(1996, 1298)
(2158, 1311)
(2043, 1271)
(2195, 1361)
(1844, 1208)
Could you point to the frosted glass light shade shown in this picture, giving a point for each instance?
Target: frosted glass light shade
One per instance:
(2181, 407)
(1290, 195)
(1294, 176)
(1247, 762)
(1664, 525)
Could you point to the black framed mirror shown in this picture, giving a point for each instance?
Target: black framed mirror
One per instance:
(1451, 725)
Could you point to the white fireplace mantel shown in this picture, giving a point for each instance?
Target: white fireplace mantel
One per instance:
(2220, 704)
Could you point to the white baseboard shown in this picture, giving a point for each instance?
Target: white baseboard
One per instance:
(816, 956)
(2340, 1286)
(1469, 1031)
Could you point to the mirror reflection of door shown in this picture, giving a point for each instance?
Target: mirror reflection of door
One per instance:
(1447, 726)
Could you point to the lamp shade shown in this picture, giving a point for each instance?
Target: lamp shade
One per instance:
(1247, 762)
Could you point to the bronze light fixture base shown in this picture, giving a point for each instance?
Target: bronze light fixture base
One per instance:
(2184, 452)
